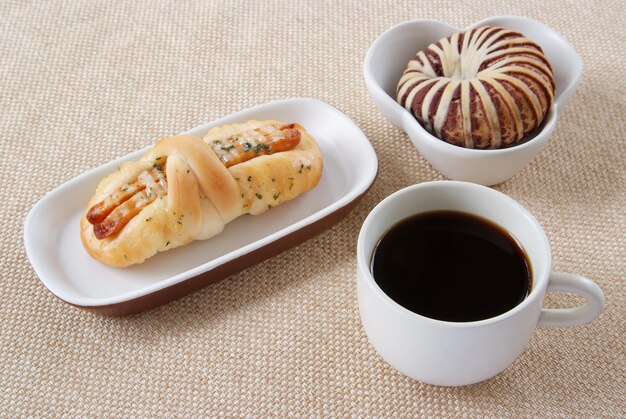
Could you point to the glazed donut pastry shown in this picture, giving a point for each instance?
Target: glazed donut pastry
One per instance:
(186, 188)
(485, 88)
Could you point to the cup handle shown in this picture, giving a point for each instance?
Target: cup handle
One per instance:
(569, 317)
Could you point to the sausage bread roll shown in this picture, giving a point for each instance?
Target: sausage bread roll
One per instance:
(186, 188)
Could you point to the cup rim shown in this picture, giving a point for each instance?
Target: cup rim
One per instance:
(363, 265)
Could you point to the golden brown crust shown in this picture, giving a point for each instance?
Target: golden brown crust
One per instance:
(212, 177)
(270, 180)
(202, 195)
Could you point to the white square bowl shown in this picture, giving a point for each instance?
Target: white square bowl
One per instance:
(388, 56)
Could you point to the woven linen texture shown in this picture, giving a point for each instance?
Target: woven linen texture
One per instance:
(84, 82)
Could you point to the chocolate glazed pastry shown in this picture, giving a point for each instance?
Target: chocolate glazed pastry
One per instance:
(186, 188)
(485, 88)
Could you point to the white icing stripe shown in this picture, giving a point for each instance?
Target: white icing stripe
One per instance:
(467, 52)
(540, 74)
(524, 49)
(465, 45)
(403, 85)
(413, 93)
(410, 84)
(528, 73)
(510, 104)
(447, 63)
(452, 58)
(427, 68)
(411, 77)
(524, 89)
(429, 98)
(414, 65)
(444, 105)
(491, 114)
(508, 42)
(486, 37)
(495, 33)
(538, 65)
(434, 48)
(465, 113)
(474, 56)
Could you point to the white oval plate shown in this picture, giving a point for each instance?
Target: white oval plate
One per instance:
(65, 268)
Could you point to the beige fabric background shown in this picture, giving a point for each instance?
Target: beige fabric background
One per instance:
(82, 83)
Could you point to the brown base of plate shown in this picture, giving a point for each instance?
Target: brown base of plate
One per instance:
(190, 285)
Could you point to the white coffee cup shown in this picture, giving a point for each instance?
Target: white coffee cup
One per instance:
(450, 353)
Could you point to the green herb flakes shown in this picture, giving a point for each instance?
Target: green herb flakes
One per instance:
(261, 146)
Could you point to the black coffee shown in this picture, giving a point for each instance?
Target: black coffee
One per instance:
(452, 266)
